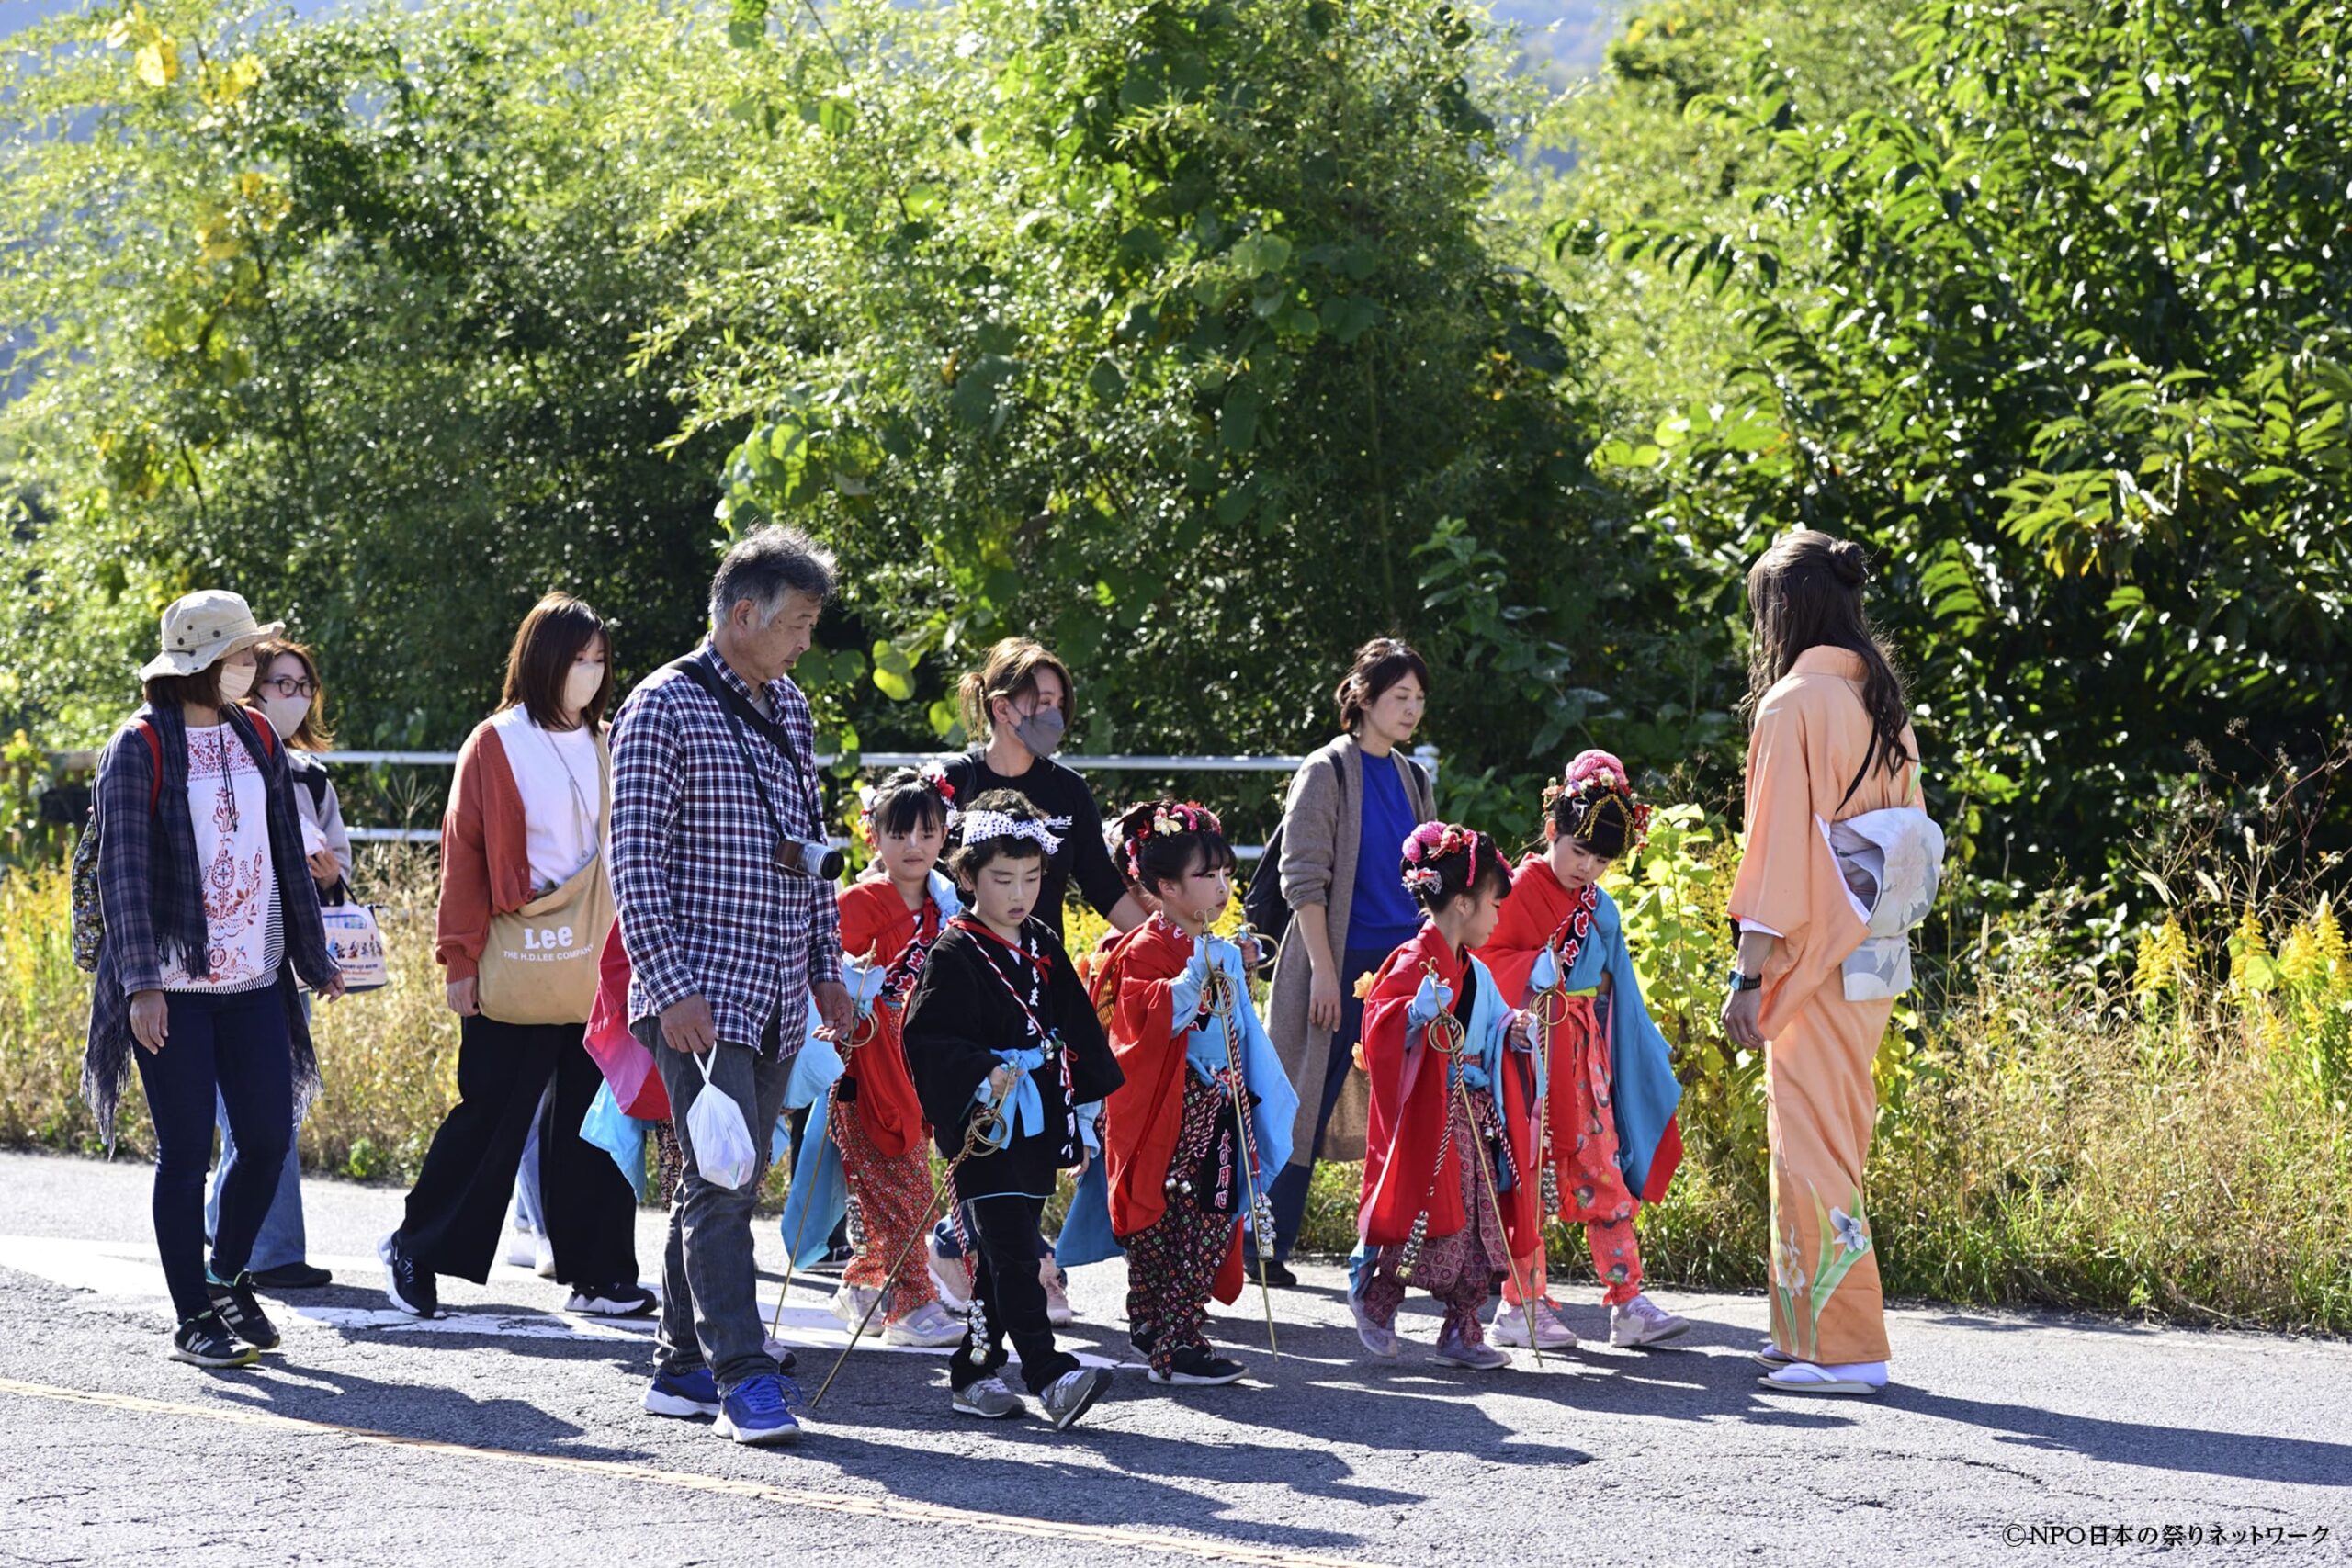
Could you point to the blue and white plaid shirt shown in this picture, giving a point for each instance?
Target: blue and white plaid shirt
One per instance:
(702, 908)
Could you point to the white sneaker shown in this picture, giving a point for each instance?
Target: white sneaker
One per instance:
(1643, 1322)
(952, 1276)
(523, 1249)
(851, 1302)
(1512, 1324)
(930, 1326)
(543, 1257)
(1057, 1311)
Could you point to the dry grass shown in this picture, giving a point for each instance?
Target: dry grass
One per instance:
(388, 1057)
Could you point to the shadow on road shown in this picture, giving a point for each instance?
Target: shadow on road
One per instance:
(2293, 1460)
(422, 1411)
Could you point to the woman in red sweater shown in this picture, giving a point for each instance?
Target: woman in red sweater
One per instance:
(524, 912)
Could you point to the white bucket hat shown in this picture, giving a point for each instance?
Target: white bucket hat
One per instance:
(201, 629)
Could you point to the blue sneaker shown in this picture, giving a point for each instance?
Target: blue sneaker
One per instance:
(754, 1413)
(691, 1392)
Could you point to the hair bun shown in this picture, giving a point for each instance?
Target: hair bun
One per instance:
(1849, 561)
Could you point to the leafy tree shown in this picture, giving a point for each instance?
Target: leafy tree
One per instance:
(1171, 332)
(2060, 329)
(341, 314)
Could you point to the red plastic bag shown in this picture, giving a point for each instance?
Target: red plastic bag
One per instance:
(626, 1065)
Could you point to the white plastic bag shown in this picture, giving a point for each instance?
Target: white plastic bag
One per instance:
(724, 1153)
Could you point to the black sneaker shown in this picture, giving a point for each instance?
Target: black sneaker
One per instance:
(612, 1301)
(293, 1277)
(1142, 1336)
(1279, 1277)
(1194, 1365)
(205, 1341)
(235, 1304)
(409, 1286)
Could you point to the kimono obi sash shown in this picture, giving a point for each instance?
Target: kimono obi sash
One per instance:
(1891, 862)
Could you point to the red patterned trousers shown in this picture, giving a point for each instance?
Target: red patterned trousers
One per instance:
(888, 1196)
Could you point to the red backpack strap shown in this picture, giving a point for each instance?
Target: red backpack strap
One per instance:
(155, 750)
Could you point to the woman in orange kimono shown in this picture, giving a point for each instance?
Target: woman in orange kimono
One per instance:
(1829, 741)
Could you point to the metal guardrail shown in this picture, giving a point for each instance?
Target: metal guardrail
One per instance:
(85, 761)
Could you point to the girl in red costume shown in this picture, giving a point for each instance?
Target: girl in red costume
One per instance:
(1203, 1120)
(887, 926)
(1441, 1188)
(1604, 1137)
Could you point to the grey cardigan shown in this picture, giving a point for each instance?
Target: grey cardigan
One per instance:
(1322, 824)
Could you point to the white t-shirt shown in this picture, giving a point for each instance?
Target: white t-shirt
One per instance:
(245, 926)
(556, 773)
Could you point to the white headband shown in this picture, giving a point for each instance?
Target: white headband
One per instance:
(982, 826)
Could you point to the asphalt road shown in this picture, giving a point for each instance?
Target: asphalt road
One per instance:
(511, 1436)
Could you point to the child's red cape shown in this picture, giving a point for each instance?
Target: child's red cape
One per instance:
(1535, 909)
(1402, 1175)
(876, 926)
(1143, 1114)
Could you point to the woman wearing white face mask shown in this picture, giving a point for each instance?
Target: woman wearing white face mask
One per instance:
(526, 905)
(209, 918)
(288, 696)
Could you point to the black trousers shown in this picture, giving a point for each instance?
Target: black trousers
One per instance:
(458, 1204)
(1011, 1298)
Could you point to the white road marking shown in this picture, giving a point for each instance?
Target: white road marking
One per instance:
(128, 1273)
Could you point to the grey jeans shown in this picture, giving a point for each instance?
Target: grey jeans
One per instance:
(710, 1306)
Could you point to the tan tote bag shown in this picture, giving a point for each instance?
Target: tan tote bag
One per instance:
(540, 965)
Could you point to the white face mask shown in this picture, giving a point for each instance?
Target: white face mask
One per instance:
(285, 713)
(580, 686)
(235, 681)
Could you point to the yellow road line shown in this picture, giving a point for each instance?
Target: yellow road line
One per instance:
(896, 1508)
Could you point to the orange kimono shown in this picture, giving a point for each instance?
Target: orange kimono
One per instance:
(1811, 738)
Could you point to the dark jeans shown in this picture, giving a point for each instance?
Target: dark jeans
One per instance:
(458, 1204)
(235, 1051)
(1288, 1193)
(1010, 1297)
(710, 1301)
(281, 1239)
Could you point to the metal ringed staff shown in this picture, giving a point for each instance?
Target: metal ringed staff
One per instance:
(1446, 1036)
(1547, 1009)
(983, 1126)
(1260, 1213)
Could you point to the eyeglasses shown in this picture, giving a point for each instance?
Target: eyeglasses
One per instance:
(293, 686)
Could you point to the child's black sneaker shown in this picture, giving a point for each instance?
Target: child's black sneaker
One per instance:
(1194, 1365)
(234, 1303)
(205, 1341)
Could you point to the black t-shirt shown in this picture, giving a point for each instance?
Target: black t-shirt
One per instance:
(1070, 815)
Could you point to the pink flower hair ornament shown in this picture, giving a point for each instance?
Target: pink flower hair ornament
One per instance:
(1592, 777)
(1176, 817)
(1430, 842)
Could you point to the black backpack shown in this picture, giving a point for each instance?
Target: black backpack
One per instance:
(1263, 903)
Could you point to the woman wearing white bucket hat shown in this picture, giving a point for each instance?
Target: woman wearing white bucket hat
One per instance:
(209, 918)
